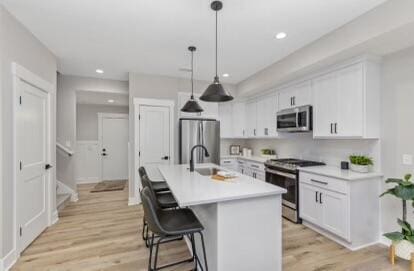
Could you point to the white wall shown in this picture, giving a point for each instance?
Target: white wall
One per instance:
(66, 117)
(398, 127)
(379, 31)
(159, 87)
(18, 45)
(87, 119)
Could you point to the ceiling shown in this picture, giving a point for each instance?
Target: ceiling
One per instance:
(152, 36)
(101, 98)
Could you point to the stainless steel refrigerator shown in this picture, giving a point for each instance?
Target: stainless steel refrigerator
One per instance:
(199, 131)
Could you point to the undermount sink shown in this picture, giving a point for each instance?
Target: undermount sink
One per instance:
(207, 171)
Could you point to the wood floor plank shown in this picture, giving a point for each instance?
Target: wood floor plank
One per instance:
(101, 232)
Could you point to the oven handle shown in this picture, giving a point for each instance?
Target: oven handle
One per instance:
(284, 174)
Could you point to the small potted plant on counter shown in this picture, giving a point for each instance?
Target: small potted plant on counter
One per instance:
(268, 153)
(360, 163)
(402, 241)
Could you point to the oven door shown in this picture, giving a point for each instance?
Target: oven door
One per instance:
(285, 180)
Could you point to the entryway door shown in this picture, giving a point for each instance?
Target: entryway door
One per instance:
(32, 151)
(113, 137)
(154, 138)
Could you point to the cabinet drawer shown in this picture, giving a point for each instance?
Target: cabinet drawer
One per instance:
(228, 162)
(324, 182)
(256, 166)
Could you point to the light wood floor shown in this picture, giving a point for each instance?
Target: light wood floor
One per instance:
(100, 232)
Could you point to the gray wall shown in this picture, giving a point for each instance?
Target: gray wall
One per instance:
(398, 127)
(20, 46)
(87, 119)
(67, 86)
(159, 87)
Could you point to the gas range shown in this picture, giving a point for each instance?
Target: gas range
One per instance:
(284, 173)
(291, 164)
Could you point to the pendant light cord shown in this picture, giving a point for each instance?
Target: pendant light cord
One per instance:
(192, 75)
(216, 40)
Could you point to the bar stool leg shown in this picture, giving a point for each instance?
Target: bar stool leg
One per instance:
(204, 250)
(150, 256)
(194, 250)
(144, 225)
(156, 252)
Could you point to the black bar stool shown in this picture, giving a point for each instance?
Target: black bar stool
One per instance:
(165, 200)
(171, 223)
(157, 186)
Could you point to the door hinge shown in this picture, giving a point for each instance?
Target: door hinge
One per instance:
(139, 153)
(20, 231)
(20, 165)
(139, 117)
(20, 100)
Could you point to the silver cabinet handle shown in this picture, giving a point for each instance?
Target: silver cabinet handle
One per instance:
(336, 128)
(331, 128)
(320, 182)
(316, 196)
(254, 131)
(320, 198)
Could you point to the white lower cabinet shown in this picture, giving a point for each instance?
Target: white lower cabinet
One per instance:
(249, 168)
(344, 210)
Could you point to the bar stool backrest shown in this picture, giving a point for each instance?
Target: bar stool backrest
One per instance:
(142, 172)
(151, 209)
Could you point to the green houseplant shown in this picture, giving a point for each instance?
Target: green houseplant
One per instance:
(360, 163)
(404, 239)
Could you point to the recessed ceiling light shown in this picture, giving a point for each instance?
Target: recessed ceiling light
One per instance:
(111, 101)
(99, 71)
(226, 75)
(281, 35)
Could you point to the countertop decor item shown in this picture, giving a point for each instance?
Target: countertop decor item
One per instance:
(402, 241)
(192, 106)
(234, 149)
(215, 92)
(268, 153)
(360, 163)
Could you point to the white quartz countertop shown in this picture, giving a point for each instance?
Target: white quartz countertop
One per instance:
(192, 188)
(336, 172)
(258, 159)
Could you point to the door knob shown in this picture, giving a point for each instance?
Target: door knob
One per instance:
(165, 158)
(103, 149)
(104, 154)
(48, 166)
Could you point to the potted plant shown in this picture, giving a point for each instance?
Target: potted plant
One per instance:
(360, 163)
(402, 240)
(268, 153)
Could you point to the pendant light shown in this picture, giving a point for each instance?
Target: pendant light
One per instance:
(215, 92)
(192, 106)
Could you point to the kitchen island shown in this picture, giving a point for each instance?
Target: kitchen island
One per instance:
(242, 217)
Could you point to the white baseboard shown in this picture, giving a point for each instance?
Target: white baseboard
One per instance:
(133, 201)
(9, 260)
(64, 189)
(55, 217)
(87, 180)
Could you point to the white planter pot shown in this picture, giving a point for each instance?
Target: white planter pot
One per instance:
(359, 168)
(403, 249)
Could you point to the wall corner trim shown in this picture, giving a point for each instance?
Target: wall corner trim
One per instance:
(55, 217)
(64, 189)
(133, 201)
(8, 261)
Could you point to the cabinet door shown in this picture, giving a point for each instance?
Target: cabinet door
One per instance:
(251, 113)
(262, 118)
(285, 98)
(325, 91)
(350, 101)
(225, 114)
(302, 94)
(260, 175)
(239, 119)
(335, 213)
(309, 207)
(271, 106)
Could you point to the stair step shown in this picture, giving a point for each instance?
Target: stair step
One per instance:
(62, 200)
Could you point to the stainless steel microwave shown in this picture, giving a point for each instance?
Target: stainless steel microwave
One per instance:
(294, 120)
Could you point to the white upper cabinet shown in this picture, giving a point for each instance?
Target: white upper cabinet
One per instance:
(210, 109)
(239, 119)
(297, 95)
(251, 118)
(346, 102)
(225, 117)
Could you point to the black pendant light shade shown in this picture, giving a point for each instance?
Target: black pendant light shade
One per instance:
(215, 92)
(192, 106)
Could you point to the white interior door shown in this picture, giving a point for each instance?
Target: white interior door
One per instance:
(32, 156)
(114, 143)
(154, 138)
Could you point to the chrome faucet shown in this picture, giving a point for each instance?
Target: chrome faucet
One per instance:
(192, 155)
